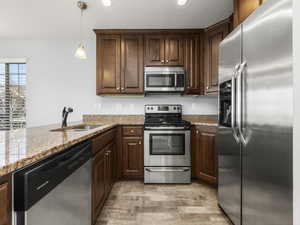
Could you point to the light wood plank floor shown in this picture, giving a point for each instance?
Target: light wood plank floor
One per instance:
(133, 203)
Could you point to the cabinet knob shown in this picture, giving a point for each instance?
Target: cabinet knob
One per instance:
(118, 88)
(140, 143)
(207, 87)
(162, 61)
(131, 131)
(167, 60)
(122, 89)
(197, 131)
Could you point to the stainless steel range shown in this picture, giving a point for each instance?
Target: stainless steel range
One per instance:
(167, 157)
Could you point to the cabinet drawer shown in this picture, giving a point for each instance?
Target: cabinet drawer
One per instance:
(133, 131)
(102, 140)
(209, 129)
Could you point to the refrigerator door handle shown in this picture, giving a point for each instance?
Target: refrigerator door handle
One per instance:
(240, 102)
(233, 104)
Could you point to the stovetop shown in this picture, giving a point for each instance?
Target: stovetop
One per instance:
(162, 116)
(163, 122)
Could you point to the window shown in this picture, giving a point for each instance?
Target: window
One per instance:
(12, 95)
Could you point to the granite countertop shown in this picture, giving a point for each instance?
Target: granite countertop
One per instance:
(22, 147)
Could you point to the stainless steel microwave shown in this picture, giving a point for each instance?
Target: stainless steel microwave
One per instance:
(164, 79)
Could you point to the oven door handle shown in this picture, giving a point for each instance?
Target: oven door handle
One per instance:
(168, 170)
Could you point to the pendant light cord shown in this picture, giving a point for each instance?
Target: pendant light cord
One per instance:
(81, 36)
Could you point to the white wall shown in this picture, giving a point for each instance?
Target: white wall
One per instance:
(56, 79)
(296, 147)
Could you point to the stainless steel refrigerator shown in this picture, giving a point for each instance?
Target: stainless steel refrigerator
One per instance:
(254, 140)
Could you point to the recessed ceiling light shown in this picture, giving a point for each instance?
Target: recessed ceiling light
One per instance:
(182, 2)
(106, 3)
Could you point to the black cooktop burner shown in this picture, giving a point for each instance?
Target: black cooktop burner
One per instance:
(181, 123)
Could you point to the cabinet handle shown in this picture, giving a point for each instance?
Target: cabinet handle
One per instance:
(118, 88)
(140, 142)
(122, 89)
(167, 61)
(197, 131)
(131, 131)
(207, 87)
(162, 61)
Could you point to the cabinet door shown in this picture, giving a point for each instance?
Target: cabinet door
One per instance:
(109, 169)
(174, 50)
(243, 8)
(132, 54)
(108, 64)
(5, 202)
(154, 50)
(133, 161)
(207, 156)
(192, 63)
(98, 183)
(213, 38)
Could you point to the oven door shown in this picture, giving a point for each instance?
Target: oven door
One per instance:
(167, 148)
(160, 82)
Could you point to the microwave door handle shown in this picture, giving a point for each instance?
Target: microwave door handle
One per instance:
(240, 102)
(175, 75)
(233, 104)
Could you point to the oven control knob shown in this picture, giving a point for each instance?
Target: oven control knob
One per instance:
(151, 108)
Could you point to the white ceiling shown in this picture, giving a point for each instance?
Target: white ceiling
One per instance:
(59, 19)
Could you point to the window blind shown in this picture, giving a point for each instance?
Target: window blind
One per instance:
(12, 95)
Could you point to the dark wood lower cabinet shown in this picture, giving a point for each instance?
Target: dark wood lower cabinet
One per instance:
(98, 184)
(133, 152)
(5, 200)
(133, 165)
(103, 173)
(204, 157)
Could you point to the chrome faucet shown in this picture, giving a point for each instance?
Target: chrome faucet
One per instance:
(65, 114)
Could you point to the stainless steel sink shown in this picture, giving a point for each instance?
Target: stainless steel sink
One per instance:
(82, 127)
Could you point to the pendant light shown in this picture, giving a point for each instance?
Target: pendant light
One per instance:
(182, 2)
(80, 51)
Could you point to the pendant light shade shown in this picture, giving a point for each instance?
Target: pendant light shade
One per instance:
(80, 52)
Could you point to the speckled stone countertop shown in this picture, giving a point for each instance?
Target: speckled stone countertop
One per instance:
(199, 120)
(23, 147)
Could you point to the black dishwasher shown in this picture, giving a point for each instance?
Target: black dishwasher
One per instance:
(57, 190)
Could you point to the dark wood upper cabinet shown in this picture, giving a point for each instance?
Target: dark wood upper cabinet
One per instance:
(174, 50)
(243, 8)
(132, 54)
(193, 58)
(154, 50)
(5, 200)
(108, 64)
(164, 50)
(213, 37)
(122, 55)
